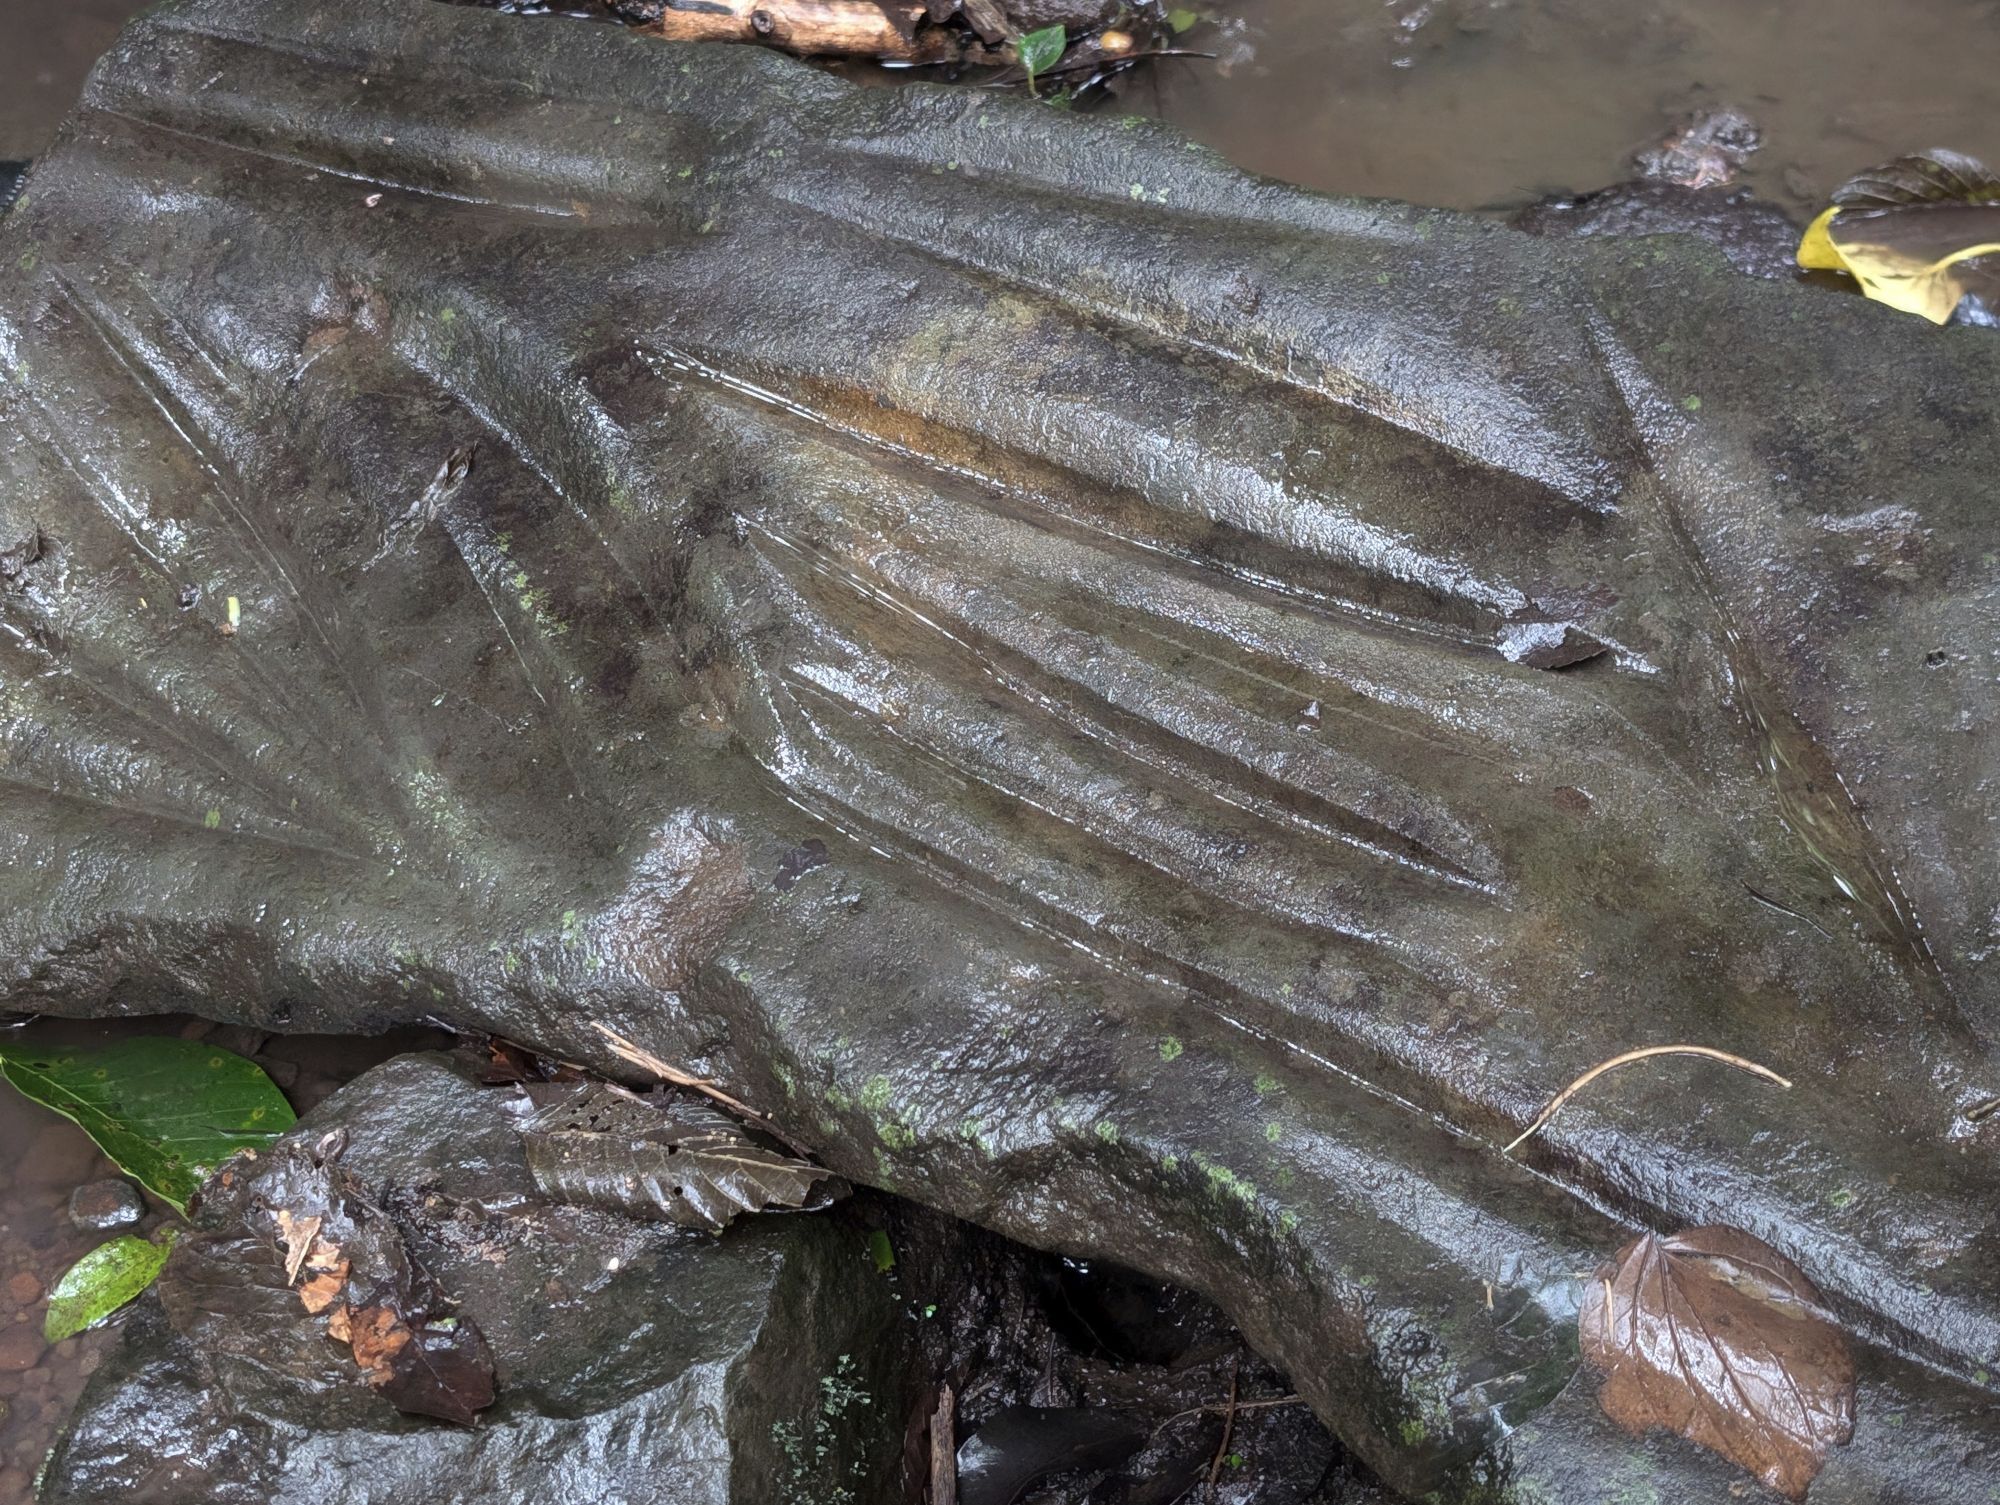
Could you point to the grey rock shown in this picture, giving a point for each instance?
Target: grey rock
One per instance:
(99, 1206)
(1705, 153)
(631, 464)
(1758, 238)
(638, 1363)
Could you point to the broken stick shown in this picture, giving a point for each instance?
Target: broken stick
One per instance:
(828, 28)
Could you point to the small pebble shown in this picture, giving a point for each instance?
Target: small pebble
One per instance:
(21, 1348)
(99, 1206)
(23, 1289)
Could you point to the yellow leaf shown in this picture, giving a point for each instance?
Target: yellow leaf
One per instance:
(1915, 285)
(1816, 249)
(1908, 231)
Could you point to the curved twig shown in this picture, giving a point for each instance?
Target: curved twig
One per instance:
(638, 1055)
(1556, 1102)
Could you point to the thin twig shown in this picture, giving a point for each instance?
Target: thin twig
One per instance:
(1556, 1103)
(638, 1055)
(1242, 1405)
(1228, 1427)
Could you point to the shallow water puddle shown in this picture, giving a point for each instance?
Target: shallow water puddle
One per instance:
(1492, 103)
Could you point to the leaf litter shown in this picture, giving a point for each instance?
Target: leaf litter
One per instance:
(1715, 1335)
(104, 1280)
(345, 1259)
(1920, 233)
(672, 1157)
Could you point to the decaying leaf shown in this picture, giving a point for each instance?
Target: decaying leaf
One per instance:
(441, 1368)
(103, 1281)
(1918, 233)
(677, 1159)
(320, 1292)
(298, 1235)
(376, 1336)
(1714, 1334)
(403, 1331)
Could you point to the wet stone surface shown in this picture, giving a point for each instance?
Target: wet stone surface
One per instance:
(58, 1172)
(101, 1206)
(793, 1359)
(637, 1361)
(1118, 582)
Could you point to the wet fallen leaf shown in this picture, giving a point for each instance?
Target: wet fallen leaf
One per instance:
(297, 1234)
(441, 1369)
(168, 1111)
(680, 1160)
(376, 1335)
(103, 1281)
(1715, 1335)
(402, 1329)
(1918, 233)
(319, 1293)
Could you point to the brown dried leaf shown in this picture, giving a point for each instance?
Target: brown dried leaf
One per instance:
(297, 1234)
(597, 1145)
(319, 1293)
(1715, 1335)
(376, 1335)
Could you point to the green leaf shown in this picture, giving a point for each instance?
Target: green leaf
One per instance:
(1042, 50)
(1181, 20)
(101, 1282)
(882, 1251)
(168, 1111)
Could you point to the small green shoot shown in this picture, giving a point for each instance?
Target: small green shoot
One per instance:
(1041, 50)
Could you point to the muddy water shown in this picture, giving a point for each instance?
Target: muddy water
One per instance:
(45, 50)
(1493, 103)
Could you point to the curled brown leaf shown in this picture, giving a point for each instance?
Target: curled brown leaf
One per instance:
(297, 1234)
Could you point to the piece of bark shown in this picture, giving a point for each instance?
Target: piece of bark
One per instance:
(944, 1449)
(988, 20)
(837, 28)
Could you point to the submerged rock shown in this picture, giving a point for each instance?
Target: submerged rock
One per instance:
(988, 634)
(98, 1206)
(637, 1362)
